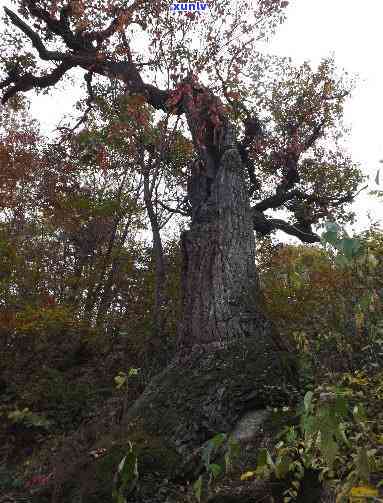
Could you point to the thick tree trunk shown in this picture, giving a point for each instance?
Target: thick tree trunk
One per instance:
(220, 285)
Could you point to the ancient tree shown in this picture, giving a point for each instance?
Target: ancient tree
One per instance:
(246, 162)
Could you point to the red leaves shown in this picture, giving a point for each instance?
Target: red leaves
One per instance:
(177, 95)
(38, 480)
(203, 107)
(175, 98)
(102, 158)
(233, 95)
(123, 21)
(138, 110)
(191, 15)
(49, 301)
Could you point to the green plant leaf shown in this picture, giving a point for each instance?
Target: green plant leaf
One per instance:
(262, 458)
(212, 445)
(362, 464)
(330, 237)
(282, 466)
(350, 247)
(215, 470)
(307, 401)
(127, 474)
(218, 439)
(197, 488)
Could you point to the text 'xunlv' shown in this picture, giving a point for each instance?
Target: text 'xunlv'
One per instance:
(188, 6)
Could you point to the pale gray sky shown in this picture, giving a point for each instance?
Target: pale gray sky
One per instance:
(350, 30)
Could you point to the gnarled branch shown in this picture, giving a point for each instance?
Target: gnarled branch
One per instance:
(82, 54)
(29, 81)
(34, 38)
(265, 226)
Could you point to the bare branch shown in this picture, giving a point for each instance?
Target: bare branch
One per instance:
(58, 27)
(174, 210)
(278, 199)
(29, 81)
(265, 226)
(84, 117)
(102, 35)
(84, 55)
(318, 130)
(336, 96)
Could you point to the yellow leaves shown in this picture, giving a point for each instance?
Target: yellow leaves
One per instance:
(137, 110)
(77, 8)
(358, 379)
(357, 494)
(248, 475)
(233, 95)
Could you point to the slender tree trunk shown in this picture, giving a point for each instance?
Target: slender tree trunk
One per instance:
(159, 261)
(107, 284)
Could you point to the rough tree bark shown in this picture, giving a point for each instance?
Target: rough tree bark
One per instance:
(220, 287)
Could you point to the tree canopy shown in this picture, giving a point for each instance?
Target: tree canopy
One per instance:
(288, 118)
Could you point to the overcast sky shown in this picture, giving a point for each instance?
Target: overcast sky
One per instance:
(349, 29)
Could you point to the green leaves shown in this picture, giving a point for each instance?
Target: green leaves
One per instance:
(331, 234)
(212, 448)
(126, 477)
(282, 465)
(197, 488)
(215, 470)
(307, 402)
(363, 464)
(120, 380)
(233, 451)
(348, 248)
(265, 463)
(29, 419)
(212, 445)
